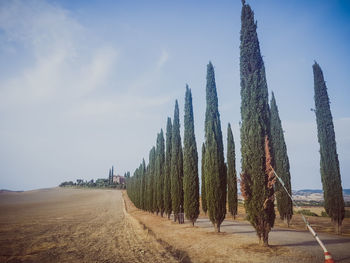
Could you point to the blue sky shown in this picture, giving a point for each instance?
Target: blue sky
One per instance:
(85, 85)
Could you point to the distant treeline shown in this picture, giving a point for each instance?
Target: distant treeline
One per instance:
(316, 203)
(99, 183)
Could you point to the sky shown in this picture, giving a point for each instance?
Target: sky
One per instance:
(85, 85)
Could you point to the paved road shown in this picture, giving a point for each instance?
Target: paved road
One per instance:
(301, 240)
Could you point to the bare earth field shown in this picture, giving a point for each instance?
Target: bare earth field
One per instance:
(73, 225)
(77, 225)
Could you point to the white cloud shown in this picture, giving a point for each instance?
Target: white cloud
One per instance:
(96, 73)
(162, 59)
(124, 107)
(63, 64)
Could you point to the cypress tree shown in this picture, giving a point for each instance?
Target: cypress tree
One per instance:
(155, 180)
(160, 172)
(231, 174)
(329, 163)
(279, 152)
(150, 181)
(190, 163)
(203, 193)
(215, 170)
(167, 173)
(176, 166)
(143, 186)
(255, 127)
(155, 174)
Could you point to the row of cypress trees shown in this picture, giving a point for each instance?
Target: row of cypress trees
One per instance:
(170, 181)
(259, 122)
(179, 176)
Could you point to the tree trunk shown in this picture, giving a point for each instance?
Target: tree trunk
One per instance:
(175, 217)
(264, 240)
(338, 228)
(169, 216)
(217, 228)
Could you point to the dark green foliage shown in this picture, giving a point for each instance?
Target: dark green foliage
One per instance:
(203, 193)
(215, 170)
(167, 172)
(231, 174)
(255, 126)
(330, 173)
(176, 165)
(143, 186)
(281, 161)
(190, 163)
(151, 207)
(135, 186)
(160, 172)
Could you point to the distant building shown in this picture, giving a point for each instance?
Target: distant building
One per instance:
(118, 179)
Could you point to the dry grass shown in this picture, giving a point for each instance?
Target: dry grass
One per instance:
(197, 244)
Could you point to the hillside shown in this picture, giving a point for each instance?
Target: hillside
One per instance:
(316, 195)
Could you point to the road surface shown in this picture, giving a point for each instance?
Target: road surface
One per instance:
(300, 240)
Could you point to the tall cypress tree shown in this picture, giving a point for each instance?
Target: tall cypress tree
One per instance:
(231, 174)
(215, 169)
(279, 153)
(143, 186)
(160, 172)
(190, 163)
(330, 172)
(203, 193)
(155, 180)
(255, 127)
(150, 181)
(176, 166)
(167, 172)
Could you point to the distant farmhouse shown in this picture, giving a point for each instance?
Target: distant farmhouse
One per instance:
(118, 179)
(113, 181)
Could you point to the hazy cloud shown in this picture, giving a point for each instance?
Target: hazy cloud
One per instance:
(63, 64)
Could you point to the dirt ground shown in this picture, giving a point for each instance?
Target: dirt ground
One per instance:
(238, 241)
(73, 225)
(77, 225)
(201, 244)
